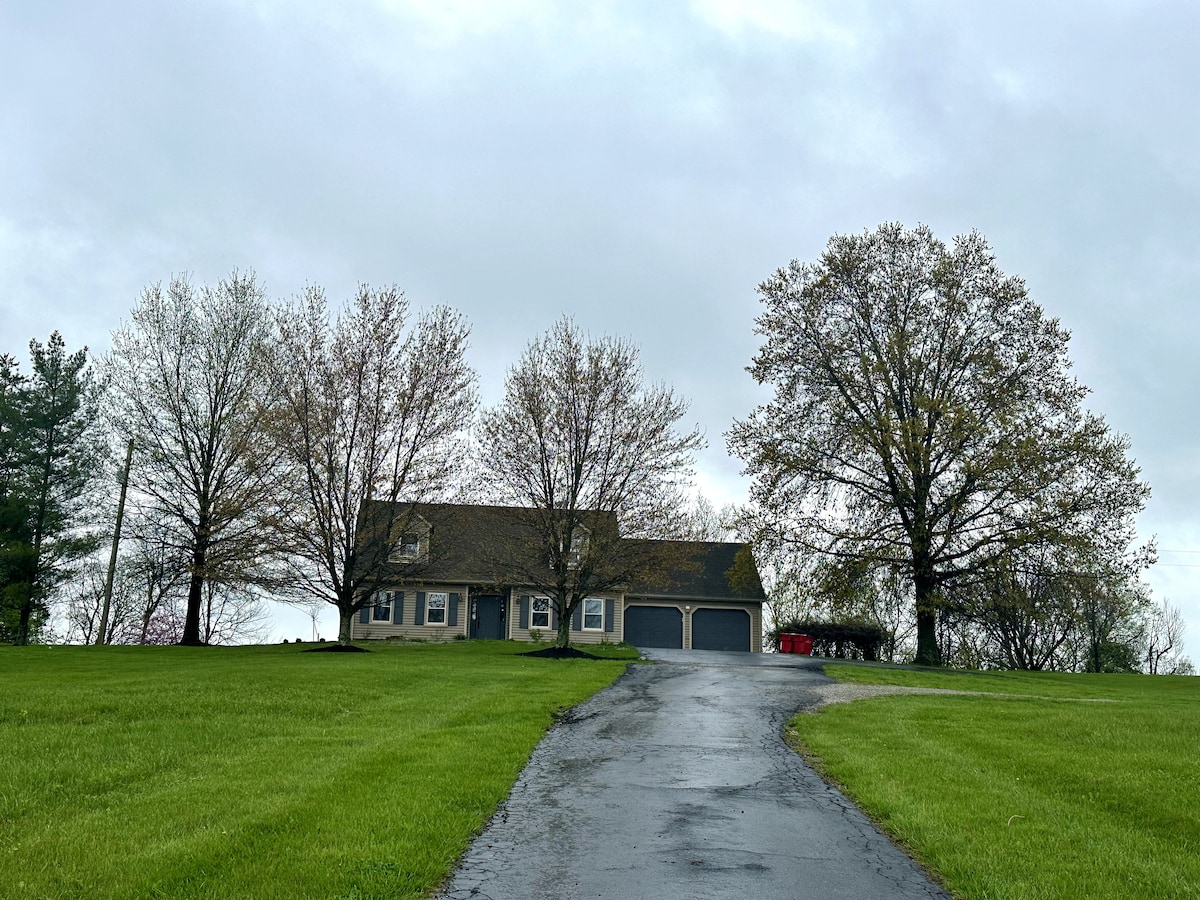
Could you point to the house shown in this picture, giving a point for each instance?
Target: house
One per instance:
(453, 571)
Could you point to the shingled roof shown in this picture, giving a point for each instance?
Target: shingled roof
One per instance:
(468, 543)
(704, 573)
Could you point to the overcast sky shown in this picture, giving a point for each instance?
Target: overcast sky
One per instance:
(639, 170)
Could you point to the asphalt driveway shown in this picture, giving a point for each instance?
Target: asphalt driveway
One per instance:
(675, 782)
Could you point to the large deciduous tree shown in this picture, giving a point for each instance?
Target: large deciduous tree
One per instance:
(373, 407)
(190, 383)
(925, 418)
(49, 457)
(596, 461)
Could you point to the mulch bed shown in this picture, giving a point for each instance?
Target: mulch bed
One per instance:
(559, 653)
(336, 648)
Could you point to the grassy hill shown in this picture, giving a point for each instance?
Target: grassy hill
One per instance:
(262, 771)
(1043, 786)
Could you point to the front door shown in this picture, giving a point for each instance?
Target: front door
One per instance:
(487, 617)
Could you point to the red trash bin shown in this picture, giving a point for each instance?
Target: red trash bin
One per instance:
(802, 643)
(785, 643)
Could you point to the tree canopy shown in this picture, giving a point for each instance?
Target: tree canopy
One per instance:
(49, 458)
(925, 419)
(595, 458)
(190, 383)
(372, 406)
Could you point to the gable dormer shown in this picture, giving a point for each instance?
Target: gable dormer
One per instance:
(411, 541)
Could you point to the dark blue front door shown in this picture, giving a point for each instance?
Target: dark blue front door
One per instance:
(487, 620)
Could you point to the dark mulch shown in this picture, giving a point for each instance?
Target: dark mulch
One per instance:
(336, 648)
(559, 653)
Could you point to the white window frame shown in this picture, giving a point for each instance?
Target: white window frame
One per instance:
(380, 601)
(444, 608)
(600, 614)
(546, 613)
(406, 553)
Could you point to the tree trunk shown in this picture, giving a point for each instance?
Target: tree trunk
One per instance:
(191, 620)
(22, 636)
(563, 638)
(345, 616)
(928, 653)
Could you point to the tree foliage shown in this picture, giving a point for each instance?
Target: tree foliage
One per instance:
(371, 408)
(595, 459)
(49, 457)
(190, 383)
(925, 419)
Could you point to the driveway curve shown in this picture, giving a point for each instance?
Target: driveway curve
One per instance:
(676, 782)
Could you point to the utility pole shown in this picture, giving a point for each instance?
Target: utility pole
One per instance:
(112, 559)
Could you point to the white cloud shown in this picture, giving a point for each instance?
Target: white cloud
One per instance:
(785, 19)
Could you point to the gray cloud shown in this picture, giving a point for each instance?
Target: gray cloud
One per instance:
(639, 170)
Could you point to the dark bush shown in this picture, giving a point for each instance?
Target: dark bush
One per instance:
(845, 639)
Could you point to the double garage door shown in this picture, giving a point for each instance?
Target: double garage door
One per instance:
(712, 629)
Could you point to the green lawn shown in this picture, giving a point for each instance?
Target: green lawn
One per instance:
(263, 771)
(1030, 791)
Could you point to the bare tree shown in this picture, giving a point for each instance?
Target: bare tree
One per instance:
(1164, 628)
(595, 462)
(190, 385)
(158, 568)
(232, 615)
(372, 408)
(85, 599)
(700, 520)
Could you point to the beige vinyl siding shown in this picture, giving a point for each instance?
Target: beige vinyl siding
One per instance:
(408, 627)
(578, 635)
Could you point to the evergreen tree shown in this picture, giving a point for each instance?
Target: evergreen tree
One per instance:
(48, 458)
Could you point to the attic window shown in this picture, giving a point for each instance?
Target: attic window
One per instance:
(407, 548)
(573, 554)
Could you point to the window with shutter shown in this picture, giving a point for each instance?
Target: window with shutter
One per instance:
(593, 614)
(381, 611)
(435, 608)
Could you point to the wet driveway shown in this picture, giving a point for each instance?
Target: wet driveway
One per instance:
(676, 782)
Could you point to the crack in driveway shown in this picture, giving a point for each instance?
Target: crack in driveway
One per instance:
(676, 782)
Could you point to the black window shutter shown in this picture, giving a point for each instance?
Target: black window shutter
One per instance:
(398, 608)
(364, 615)
(553, 615)
(524, 616)
(577, 616)
(419, 612)
(609, 609)
(452, 615)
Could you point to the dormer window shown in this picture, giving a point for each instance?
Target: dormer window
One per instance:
(407, 548)
(573, 555)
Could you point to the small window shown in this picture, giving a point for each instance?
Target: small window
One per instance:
(539, 613)
(382, 609)
(593, 614)
(407, 548)
(435, 608)
(572, 554)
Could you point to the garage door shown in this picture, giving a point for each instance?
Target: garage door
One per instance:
(654, 626)
(721, 629)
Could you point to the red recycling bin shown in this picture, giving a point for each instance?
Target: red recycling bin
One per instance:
(801, 643)
(785, 643)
